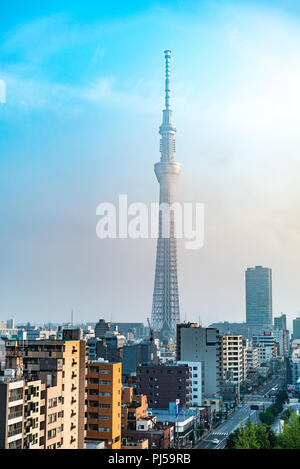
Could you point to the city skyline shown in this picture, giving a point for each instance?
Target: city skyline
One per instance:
(71, 118)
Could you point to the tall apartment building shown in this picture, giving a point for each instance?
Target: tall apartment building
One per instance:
(259, 312)
(163, 384)
(265, 346)
(33, 416)
(11, 413)
(197, 384)
(282, 338)
(186, 325)
(136, 354)
(252, 358)
(59, 367)
(293, 367)
(102, 327)
(103, 390)
(233, 358)
(296, 328)
(199, 344)
(280, 322)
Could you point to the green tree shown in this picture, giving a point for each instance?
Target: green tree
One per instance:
(286, 414)
(262, 436)
(267, 417)
(242, 440)
(252, 437)
(290, 437)
(232, 439)
(251, 434)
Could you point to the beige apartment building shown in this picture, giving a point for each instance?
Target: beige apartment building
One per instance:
(252, 358)
(233, 358)
(32, 414)
(54, 391)
(104, 392)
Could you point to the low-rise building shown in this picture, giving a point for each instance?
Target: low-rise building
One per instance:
(134, 408)
(159, 435)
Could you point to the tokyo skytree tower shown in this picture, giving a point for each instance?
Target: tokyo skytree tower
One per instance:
(165, 307)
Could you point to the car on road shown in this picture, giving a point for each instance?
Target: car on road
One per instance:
(215, 441)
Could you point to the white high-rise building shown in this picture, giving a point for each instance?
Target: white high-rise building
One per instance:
(196, 379)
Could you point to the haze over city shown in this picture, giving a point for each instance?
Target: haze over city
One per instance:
(80, 126)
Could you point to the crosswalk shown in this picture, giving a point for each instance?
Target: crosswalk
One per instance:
(221, 433)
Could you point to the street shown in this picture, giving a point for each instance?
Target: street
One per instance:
(241, 414)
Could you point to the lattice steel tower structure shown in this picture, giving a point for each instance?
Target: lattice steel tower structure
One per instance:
(165, 308)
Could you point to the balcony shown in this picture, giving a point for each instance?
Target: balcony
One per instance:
(14, 432)
(15, 415)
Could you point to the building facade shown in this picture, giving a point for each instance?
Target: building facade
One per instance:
(196, 382)
(103, 391)
(198, 344)
(163, 384)
(59, 367)
(259, 310)
(296, 328)
(233, 358)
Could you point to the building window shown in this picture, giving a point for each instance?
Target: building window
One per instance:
(51, 433)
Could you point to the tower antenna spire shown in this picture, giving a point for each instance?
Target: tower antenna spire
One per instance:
(167, 90)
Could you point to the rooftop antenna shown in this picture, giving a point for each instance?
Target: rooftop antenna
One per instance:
(72, 317)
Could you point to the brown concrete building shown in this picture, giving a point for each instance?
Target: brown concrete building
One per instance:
(103, 390)
(163, 384)
(134, 408)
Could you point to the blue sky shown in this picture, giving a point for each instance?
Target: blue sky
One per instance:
(84, 84)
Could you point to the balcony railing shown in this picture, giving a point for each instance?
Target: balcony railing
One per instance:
(14, 432)
(14, 415)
